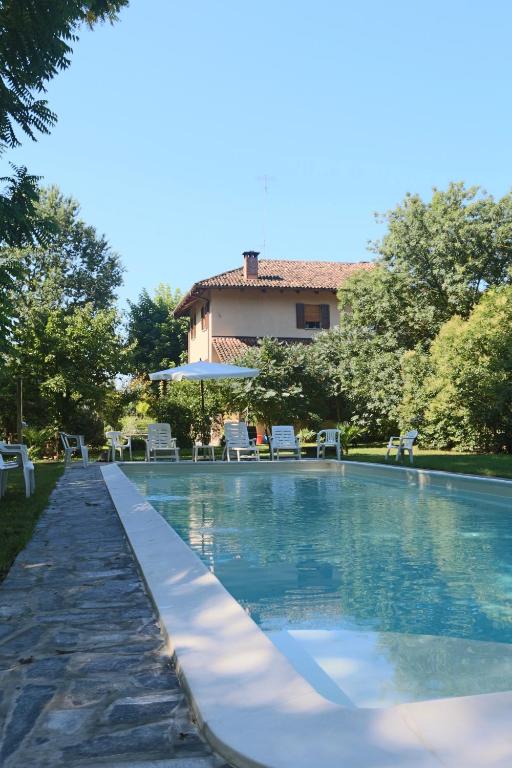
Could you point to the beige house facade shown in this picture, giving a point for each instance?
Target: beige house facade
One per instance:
(287, 300)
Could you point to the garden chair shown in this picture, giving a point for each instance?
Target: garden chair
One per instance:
(328, 438)
(23, 462)
(402, 443)
(161, 444)
(283, 439)
(119, 442)
(238, 442)
(74, 444)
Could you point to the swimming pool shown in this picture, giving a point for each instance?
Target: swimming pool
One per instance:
(330, 697)
(357, 575)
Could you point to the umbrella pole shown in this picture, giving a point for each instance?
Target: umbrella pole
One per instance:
(203, 420)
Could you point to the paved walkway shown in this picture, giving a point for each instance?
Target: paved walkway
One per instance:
(83, 679)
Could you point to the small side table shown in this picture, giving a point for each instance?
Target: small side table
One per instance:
(208, 452)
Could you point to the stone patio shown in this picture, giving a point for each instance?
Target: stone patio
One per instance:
(84, 680)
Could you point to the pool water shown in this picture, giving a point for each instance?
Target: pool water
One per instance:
(390, 568)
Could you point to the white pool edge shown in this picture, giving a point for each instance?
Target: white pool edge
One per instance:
(254, 708)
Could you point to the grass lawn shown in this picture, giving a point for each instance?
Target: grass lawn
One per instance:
(490, 465)
(18, 515)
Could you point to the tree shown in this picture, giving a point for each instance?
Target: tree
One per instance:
(467, 392)
(451, 248)
(385, 301)
(74, 266)
(75, 360)
(435, 261)
(363, 373)
(35, 44)
(65, 340)
(289, 387)
(158, 339)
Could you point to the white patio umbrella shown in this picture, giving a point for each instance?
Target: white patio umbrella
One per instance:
(203, 371)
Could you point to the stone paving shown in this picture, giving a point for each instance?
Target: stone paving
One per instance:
(84, 680)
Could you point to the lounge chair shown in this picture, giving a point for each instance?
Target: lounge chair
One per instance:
(119, 442)
(283, 439)
(20, 452)
(238, 442)
(328, 438)
(74, 444)
(161, 444)
(402, 443)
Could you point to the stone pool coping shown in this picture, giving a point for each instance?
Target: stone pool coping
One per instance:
(251, 704)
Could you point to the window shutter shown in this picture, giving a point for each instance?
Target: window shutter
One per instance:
(300, 315)
(326, 317)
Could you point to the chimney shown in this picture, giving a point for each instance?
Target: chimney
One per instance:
(251, 265)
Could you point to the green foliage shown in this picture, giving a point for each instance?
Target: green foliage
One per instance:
(158, 340)
(18, 515)
(451, 247)
(416, 368)
(42, 443)
(436, 260)
(349, 434)
(18, 226)
(468, 393)
(69, 366)
(64, 337)
(306, 435)
(289, 388)
(179, 404)
(364, 368)
(35, 44)
(382, 301)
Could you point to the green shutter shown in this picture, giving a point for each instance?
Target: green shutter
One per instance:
(326, 317)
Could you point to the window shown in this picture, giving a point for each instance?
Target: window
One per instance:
(192, 325)
(313, 316)
(205, 309)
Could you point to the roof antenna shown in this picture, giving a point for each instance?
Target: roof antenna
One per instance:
(265, 179)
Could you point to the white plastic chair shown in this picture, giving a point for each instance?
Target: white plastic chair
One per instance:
(119, 442)
(20, 451)
(5, 466)
(238, 442)
(74, 444)
(402, 443)
(328, 438)
(160, 443)
(283, 439)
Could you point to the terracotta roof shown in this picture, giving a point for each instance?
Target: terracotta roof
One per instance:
(274, 273)
(228, 348)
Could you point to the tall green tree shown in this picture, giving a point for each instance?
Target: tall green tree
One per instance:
(289, 387)
(157, 338)
(451, 247)
(435, 261)
(362, 370)
(65, 341)
(385, 301)
(74, 266)
(466, 389)
(36, 38)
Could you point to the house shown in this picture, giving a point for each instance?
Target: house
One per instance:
(288, 300)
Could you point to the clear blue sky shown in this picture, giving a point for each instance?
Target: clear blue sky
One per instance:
(168, 119)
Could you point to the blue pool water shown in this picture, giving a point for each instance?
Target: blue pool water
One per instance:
(316, 550)
(355, 556)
